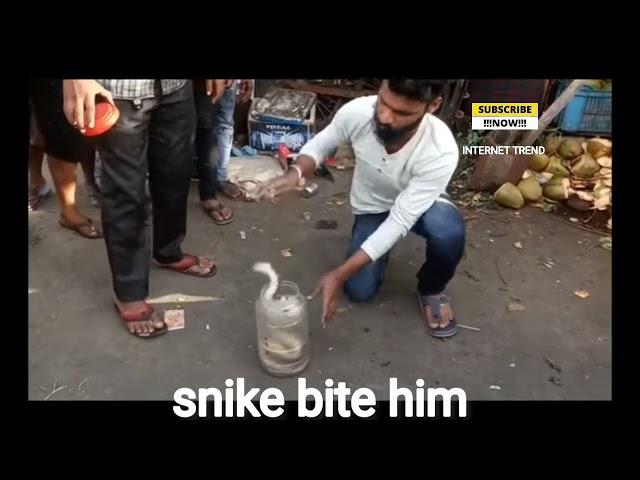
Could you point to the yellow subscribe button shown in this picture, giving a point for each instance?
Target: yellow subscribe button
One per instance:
(504, 110)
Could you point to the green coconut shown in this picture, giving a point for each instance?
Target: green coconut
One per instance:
(551, 144)
(530, 189)
(585, 167)
(556, 168)
(599, 147)
(601, 85)
(570, 148)
(557, 188)
(539, 162)
(508, 195)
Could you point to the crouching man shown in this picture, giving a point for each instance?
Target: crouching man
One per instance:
(405, 157)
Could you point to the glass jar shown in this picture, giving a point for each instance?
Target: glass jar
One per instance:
(283, 330)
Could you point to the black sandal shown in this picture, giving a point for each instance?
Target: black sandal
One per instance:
(436, 302)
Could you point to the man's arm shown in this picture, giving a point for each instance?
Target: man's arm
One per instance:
(423, 189)
(331, 283)
(311, 156)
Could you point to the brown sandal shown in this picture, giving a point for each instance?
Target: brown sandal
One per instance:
(86, 229)
(142, 316)
(231, 190)
(186, 263)
(219, 210)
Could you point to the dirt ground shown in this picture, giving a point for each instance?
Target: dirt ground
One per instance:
(76, 341)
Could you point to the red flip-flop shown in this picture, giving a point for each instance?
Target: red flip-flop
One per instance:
(186, 263)
(142, 316)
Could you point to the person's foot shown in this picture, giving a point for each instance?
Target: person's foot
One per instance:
(84, 226)
(140, 318)
(231, 190)
(220, 214)
(94, 188)
(95, 194)
(437, 315)
(38, 190)
(193, 265)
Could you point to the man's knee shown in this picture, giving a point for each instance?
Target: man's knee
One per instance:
(446, 236)
(451, 233)
(360, 291)
(448, 243)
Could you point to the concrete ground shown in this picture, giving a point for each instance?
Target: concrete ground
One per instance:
(77, 342)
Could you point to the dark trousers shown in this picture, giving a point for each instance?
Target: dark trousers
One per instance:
(155, 136)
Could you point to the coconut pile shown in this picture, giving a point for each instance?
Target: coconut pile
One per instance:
(569, 171)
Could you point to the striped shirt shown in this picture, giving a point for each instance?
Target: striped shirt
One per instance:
(139, 89)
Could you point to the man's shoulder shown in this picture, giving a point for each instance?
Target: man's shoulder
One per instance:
(358, 110)
(440, 137)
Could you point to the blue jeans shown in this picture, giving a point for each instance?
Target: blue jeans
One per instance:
(442, 226)
(214, 138)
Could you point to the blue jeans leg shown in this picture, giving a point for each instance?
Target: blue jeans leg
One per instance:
(442, 226)
(223, 126)
(364, 285)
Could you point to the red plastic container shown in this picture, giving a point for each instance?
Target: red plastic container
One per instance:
(283, 153)
(106, 117)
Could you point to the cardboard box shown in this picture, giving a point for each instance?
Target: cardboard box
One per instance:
(266, 133)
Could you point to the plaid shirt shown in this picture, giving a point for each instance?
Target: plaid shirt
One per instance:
(140, 89)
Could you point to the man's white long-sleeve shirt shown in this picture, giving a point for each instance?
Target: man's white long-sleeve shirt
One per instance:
(405, 183)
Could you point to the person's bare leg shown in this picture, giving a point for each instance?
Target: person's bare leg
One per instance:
(36, 156)
(88, 168)
(64, 179)
(36, 181)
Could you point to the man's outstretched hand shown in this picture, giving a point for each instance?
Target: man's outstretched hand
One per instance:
(330, 285)
(279, 185)
(294, 179)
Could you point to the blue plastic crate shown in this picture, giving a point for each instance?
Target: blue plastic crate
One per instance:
(588, 113)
